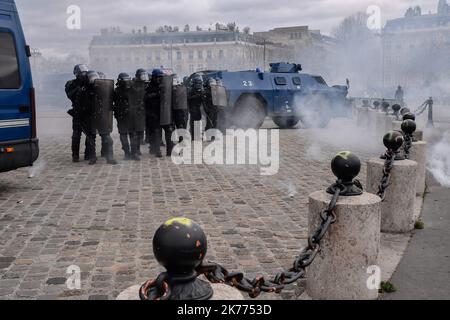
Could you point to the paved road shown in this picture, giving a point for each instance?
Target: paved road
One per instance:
(424, 272)
(102, 218)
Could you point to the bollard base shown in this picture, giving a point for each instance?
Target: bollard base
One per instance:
(397, 210)
(348, 250)
(418, 154)
(221, 292)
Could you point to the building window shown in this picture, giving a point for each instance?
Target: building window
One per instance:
(149, 57)
(158, 56)
(191, 55)
(221, 55)
(209, 54)
(200, 67)
(191, 68)
(200, 54)
(179, 55)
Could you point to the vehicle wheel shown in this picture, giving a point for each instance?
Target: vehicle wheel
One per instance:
(248, 113)
(286, 122)
(316, 113)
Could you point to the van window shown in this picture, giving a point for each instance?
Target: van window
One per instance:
(9, 67)
(320, 80)
(297, 81)
(280, 81)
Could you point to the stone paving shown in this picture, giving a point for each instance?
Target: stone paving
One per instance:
(102, 218)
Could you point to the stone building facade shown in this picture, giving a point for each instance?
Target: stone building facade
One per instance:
(308, 47)
(185, 52)
(416, 49)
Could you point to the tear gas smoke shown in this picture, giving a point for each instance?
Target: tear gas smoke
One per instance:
(37, 168)
(439, 161)
(288, 187)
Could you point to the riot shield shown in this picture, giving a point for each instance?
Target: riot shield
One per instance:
(103, 105)
(179, 97)
(137, 106)
(219, 96)
(166, 101)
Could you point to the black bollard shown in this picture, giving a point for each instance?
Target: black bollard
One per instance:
(180, 246)
(393, 141)
(430, 123)
(409, 116)
(408, 128)
(404, 110)
(376, 105)
(346, 166)
(396, 108)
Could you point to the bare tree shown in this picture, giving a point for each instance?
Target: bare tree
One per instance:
(187, 28)
(352, 28)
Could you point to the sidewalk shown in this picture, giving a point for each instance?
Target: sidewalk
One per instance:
(424, 272)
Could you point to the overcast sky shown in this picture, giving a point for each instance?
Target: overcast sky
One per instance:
(44, 21)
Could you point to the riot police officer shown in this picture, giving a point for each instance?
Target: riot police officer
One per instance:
(98, 94)
(78, 111)
(210, 110)
(159, 112)
(122, 114)
(179, 105)
(142, 75)
(195, 97)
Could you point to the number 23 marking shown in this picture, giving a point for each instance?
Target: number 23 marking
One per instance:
(247, 83)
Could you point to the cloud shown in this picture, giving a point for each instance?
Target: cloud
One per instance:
(44, 21)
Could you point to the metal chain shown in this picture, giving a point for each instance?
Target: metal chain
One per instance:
(421, 109)
(216, 273)
(408, 145)
(156, 289)
(385, 180)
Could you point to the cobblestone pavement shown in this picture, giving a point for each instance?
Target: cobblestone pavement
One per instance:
(102, 218)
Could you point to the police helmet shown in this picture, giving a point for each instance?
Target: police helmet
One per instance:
(79, 69)
(196, 78)
(92, 76)
(141, 74)
(123, 77)
(157, 73)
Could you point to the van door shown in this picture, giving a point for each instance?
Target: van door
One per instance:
(15, 81)
(283, 95)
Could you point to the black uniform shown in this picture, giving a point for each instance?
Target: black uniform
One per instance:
(121, 113)
(180, 107)
(80, 118)
(99, 102)
(195, 98)
(81, 122)
(155, 122)
(210, 110)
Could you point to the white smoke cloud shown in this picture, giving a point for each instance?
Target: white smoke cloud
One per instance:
(439, 163)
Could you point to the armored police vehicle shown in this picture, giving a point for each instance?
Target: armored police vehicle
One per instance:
(18, 142)
(283, 94)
